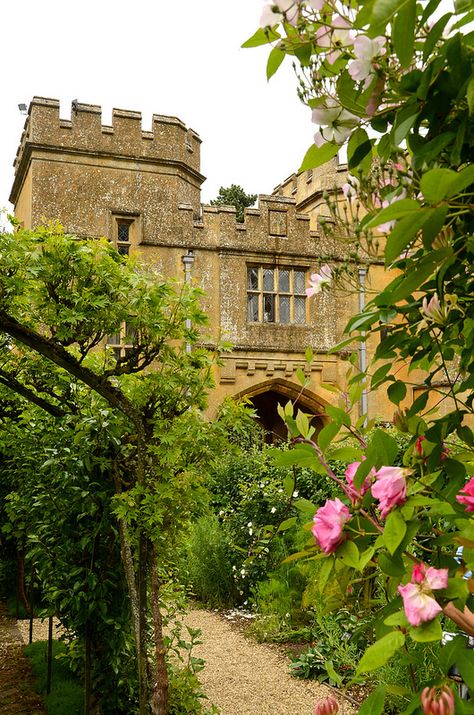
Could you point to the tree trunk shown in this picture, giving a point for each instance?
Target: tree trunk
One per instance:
(160, 683)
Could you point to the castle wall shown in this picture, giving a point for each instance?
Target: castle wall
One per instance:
(88, 176)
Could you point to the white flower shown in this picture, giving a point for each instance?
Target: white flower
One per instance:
(336, 123)
(278, 11)
(433, 311)
(273, 510)
(349, 189)
(318, 281)
(249, 524)
(365, 50)
(335, 37)
(295, 493)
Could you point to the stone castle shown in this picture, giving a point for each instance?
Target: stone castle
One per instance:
(141, 189)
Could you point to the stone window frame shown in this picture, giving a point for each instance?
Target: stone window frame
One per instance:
(132, 224)
(122, 341)
(283, 303)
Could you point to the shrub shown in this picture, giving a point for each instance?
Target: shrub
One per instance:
(211, 564)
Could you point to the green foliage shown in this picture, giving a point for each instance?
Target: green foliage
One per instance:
(234, 195)
(211, 563)
(334, 655)
(67, 694)
(60, 510)
(102, 497)
(397, 89)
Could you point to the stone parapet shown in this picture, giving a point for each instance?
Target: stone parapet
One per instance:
(169, 142)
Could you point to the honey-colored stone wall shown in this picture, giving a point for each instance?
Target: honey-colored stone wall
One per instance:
(84, 174)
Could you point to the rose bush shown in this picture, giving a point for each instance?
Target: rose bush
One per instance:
(395, 81)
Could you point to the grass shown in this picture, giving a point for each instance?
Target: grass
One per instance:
(67, 696)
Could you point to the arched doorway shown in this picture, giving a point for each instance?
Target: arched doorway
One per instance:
(267, 396)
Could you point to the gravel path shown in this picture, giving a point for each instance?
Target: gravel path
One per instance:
(17, 695)
(241, 677)
(247, 678)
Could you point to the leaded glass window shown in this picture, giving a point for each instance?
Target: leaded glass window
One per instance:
(276, 295)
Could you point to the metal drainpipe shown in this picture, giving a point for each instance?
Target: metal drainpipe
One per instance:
(188, 260)
(363, 347)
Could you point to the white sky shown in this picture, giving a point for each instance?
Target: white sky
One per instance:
(181, 58)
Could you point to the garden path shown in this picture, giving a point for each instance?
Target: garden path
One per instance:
(241, 677)
(247, 678)
(17, 695)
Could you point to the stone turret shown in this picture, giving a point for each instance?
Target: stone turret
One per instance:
(115, 170)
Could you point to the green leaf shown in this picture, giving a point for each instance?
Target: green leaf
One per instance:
(380, 375)
(287, 524)
(397, 619)
(348, 553)
(316, 156)
(384, 10)
(381, 651)
(262, 37)
(414, 279)
(302, 455)
(404, 232)
(461, 181)
(359, 150)
(434, 35)
(466, 668)
(275, 58)
(404, 120)
(435, 184)
(338, 415)
(391, 567)
(289, 485)
(365, 557)
(403, 33)
(383, 448)
(305, 506)
(470, 95)
(325, 572)
(302, 423)
(373, 705)
(397, 392)
(335, 677)
(427, 632)
(352, 97)
(327, 434)
(397, 210)
(394, 532)
(343, 454)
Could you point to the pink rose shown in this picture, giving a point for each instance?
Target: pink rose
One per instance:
(418, 601)
(327, 707)
(350, 472)
(466, 495)
(390, 488)
(329, 523)
(442, 703)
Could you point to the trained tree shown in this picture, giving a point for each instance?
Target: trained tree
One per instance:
(60, 297)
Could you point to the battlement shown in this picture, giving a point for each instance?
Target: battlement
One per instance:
(170, 141)
(274, 227)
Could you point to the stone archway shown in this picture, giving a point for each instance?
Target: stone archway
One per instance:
(268, 395)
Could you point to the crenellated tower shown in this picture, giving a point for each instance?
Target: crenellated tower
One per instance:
(95, 178)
